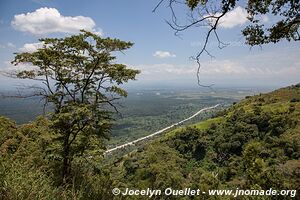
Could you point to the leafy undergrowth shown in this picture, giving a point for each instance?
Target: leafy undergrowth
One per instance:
(29, 171)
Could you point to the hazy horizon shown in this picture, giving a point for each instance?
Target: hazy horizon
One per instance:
(164, 59)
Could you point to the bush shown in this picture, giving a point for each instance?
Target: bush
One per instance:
(293, 100)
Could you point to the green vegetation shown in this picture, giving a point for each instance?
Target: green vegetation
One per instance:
(80, 79)
(254, 144)
(146, 112)
(27, 168)
(142, 112)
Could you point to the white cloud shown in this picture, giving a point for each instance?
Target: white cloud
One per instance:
(8, 67)
(11, 45)
(163, 54)
(165, 71)
(236, 17)
(223, 67)
(7, 45)
(49, 20)
(229, 70)
(31, 47)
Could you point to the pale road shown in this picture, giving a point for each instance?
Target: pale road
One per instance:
(160, 131)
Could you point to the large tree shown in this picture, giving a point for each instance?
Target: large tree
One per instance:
(81, 80)
(207, 15)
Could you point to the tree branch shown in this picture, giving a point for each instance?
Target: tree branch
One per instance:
(208, 18)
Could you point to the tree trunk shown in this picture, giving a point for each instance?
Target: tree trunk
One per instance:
(66, 170)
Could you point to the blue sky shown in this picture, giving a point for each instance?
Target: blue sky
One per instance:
(162, 57)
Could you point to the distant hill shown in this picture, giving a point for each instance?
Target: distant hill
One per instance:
(254, 144)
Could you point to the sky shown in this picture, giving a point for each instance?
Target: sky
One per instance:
(162, 57)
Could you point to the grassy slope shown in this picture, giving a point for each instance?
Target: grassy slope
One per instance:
(276, 101)
(201, 125)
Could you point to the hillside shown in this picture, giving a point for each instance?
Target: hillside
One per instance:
(254, 144)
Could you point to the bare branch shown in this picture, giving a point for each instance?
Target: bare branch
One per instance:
(157, 5)
(207, 16)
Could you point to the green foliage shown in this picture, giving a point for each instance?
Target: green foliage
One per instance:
(148, 170)
(197, 146)
(81, 79)
(285, 28)
(27, 167)
(286, 13)
(254, 144)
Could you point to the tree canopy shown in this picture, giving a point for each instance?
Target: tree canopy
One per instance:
(81, 81)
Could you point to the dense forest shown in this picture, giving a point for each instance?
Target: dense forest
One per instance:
(253, 144)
